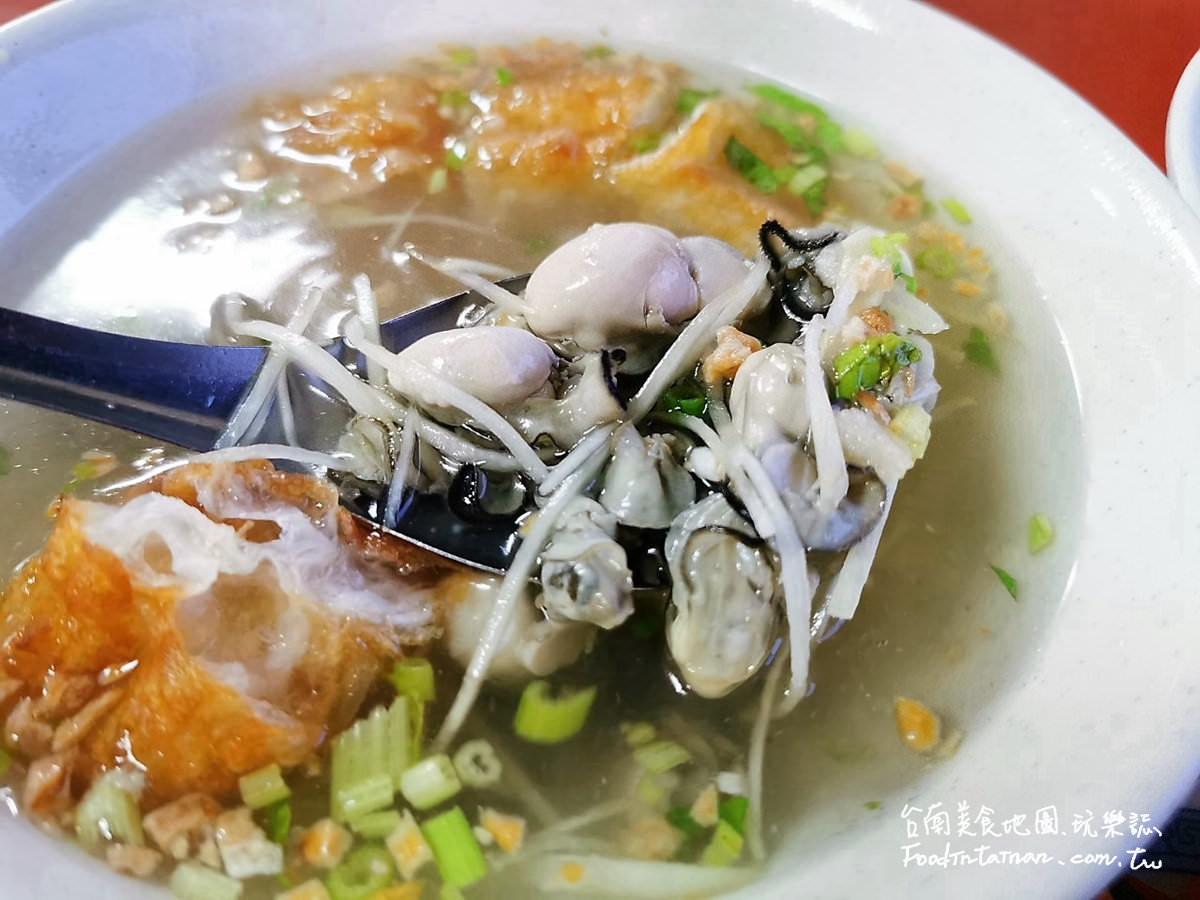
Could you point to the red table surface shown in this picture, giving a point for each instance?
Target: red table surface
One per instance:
(1124, 56)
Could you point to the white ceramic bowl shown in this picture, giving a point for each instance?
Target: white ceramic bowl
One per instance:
(1183, 135)
(1104, 712)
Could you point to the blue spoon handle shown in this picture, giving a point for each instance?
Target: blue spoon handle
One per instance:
(182, 393)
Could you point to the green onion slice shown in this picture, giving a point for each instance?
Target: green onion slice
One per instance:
(365, 872)
(1041, 533)
(457, 853)
(542, 719)
(430, 782)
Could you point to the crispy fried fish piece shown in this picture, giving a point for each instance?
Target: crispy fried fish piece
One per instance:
(237, 611)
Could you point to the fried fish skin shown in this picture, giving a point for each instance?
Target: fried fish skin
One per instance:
(204, 695)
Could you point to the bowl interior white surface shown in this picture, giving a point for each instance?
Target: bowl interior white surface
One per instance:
(1183, 135)
(1106, 712)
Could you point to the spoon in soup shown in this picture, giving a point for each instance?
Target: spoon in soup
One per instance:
(186, 394)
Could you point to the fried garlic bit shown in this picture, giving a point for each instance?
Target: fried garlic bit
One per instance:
(919, 726)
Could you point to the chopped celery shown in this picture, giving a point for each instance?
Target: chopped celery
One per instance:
(743, 161)
(871, 362)
(367, 870)
(638, 733)
(542, 719)
(859, 143)
(477, 764)
(430, 781)
(457, 853)
(724, 847)
(263, 787)
(1010, 583)
(937, 260)
(504, 76)
(277, 821)
(108, 812)
(978, 350)
(361, 773)
(661, 756)
(438, 180)
(413, 678)
(1041, 533)
(733, 811)
(957, 211)
(399, 740)
(376, 825)
(193, 881)
(690, 98)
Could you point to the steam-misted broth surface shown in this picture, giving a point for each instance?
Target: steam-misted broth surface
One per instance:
(934, 622)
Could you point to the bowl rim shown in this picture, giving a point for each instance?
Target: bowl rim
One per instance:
(1183, 134)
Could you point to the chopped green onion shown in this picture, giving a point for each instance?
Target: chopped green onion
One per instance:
(859, 143)
(690, 98)
(430, 781)
(725, 846)
(873, 804)
(733, 810)
(361, 772)
(750, 167)
(456, 156)
(413, 678)
(5, 461)
(193, 881)
(910, 283)
(365, 872)
(790, 101)
(400, 752)
(477, 764)
(437, 180)
(807, 176)
(537, 245)
(277, 821)
(455, 849)
(887, 247)
(661, 756)
(796, 136)
(542, 719)
(598, 51)
(462, 56)
(6, 761)
(978, 350)
(938, 260)
(646, 143)
(376, 825)
(1010, 583)
(957, 211)
(1041, 533)
(454, 98)
(680, 818)
(829, 133)
(263, 787)
(871, 362)
(108, 812)
(504, 76)
(686, 396)
(638, 733)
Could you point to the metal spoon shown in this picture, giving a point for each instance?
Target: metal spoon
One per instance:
(186, 393)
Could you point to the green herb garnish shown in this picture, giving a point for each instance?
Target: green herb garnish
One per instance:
(646, 143)
(750, 167)
(1041, 533)
(873, 804)
(957, 211)
(937, 260)
(789, 101)
(690, 98)
(888, 246)
(598, 51)
(979, 350)
(810, 182)
(456, 156)
(277, 821)
(859, 143)
(454, 98)
(504, 76)
(462, 56)
(733, 810)
(685, 396)
(1010, 583)
(875, 360)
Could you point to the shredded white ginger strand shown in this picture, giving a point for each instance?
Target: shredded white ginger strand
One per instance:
(757, 757)
(401, 467)
(365, 399)
(271, 373)
(511, 590)
(851, 578)
(451, 446)
(833, 481)
(408, 373)
(367, 310)
(578, 456)
(287, 416)
(727, 308)
(468, 274)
